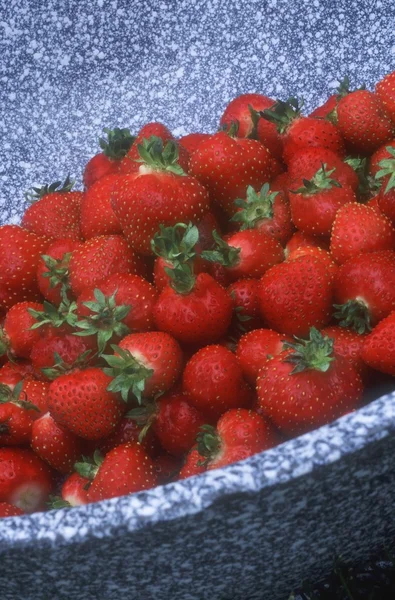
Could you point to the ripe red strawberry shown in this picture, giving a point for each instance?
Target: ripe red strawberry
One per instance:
(114, 148)
(301, 240)
(17, 370)
(214, 382)
(166, 468)
(55, 445)
(9, 510)
(61, 346)
(328, 110)
(20, 252)
(97, 215)
(81, 402)
(193, 464)
(99, 258)
(255, 348)
(17, 337)
(378, 349)
(128, 430)
(358, 228)
(385, 91)
(307, 385)
(305, 164)
(348, 344)
(124, 470)
(381, 154)
(297, 295)
(53, 269)
(239, 433)
(35, 392)
(15, 416)
(55, 211)
(159, 193)
(315, 204)
(75, 490)
(192, 140)
(226, 166)
(25, 480)
(363, 121)
(144, 364)
(386, 175)
(364, 290)
(298, 132)
(266, 211)
(315, 252)
(246, 306)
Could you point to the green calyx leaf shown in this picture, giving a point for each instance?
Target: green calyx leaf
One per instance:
(388, 169)
(343, 88)
(367, 185)
(57, 502)
(129, 376)
(225, 255)
(159, 157)
(36, 193)
(182, 278)
(314, 353)
(88, 467)
(255, 208)
(105, 321)
(355, 315)
(176, 244)
(232, 128)
(118, 142)
(144, 416)
(58, 270)
(17, 396)
(60, 367)
(321, 181)
(65, 313)
(208, 443)
(282, 114)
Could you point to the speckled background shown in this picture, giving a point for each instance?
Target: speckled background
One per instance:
(252, 530)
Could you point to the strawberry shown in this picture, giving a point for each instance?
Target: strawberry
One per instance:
(266, 211)
(239, 433)
(55, 211)
(255, 348)
(16, 370)
(226, 166)
(61, 346)
(144, 364)
(378, 350)
(99, 258)
(193, 464)
(328, 110)
(348, 344)
(15, 416)
(368, 186)
(97, 215)
(81, 402)
(386, 196)
(213, 380)
(128, 430)
(385, 91)
(296, 295)
(20, 252)
(315, 252)
(191, 141)
(246, 306)
(55, 445)
(53, 269)
(358, 228)
(17, 337)
(166, 468)
(114, 148)
(301, 240)
(363, 122)
(9, 510)
(124, 470)
(307, 385)
(383, 153)
(314, 205)
(75, 490)
(298, 132)
(306, 163)
(35, 393)
(158, 193)
(25, 480)
(364, 290)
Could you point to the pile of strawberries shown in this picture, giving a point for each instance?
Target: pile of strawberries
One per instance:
(203, 299)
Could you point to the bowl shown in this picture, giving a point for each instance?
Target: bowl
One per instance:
(255, 528)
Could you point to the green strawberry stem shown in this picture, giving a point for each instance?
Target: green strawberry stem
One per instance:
(88, 467)
(353, 314)
(388, 169)
(57, 502)
(282, 114)
(367, 185)
(55, 316)
(105, 321)
(13, 395)
(314, 353)
(36, 193)
(208, 443)
(320, 181)
(159, 157)
(232, 128)
(60, 367)
(58, 270)
(225, 255)
(128, 373)
(182, 278)
(177, 243)
(144, 416)
(118, 142)
(256, 207)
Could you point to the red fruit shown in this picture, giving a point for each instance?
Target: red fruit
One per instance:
(363, 121)
(297, 295)
(213, 380)
(255, 348)
(8, 510)
(125, 470)
(301, 240)
(240, 433)
(385, 91)
(246, 305)
(315, 252)
(16, 337)
(55, 445)
(130, 163)
(315, 204)
(64, 343)
(20, 252)
(129, 430)
(194, 464)
(81, 402)
(307, 386)
(53, 269)
(381, 154)
(97, 215)
(348, 344)
(15, 416)
(25, 480)
(364, 290)
(55, 212)
(114, 149)
(98, 167)
(358, 228)
(36, 392)
(13, 372)
(323, 111)
(100, 257)
(166, 468)
(306, 163)
(226, 166)
(378, 349)
(73, 490)
(191, 141)
(386, 175)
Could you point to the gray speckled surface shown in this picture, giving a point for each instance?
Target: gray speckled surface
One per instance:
(252, 530)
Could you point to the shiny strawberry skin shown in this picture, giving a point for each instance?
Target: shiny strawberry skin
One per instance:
(55, 215)
(9, 510)
(307, 132)
(255, 348)
(193, 465)
(15, 425)
(246, 307)
(258, 253)
(97, 167)
(385, 91)
(97, 215)
(378, 349)
(58, 250)
(73, 490)
(54, 444)
(348, 344)
(17, 326)
(305, 164)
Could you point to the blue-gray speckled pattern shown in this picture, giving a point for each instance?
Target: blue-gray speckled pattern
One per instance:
(254, 529)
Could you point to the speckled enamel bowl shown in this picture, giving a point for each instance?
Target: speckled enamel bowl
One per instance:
(254, 529)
